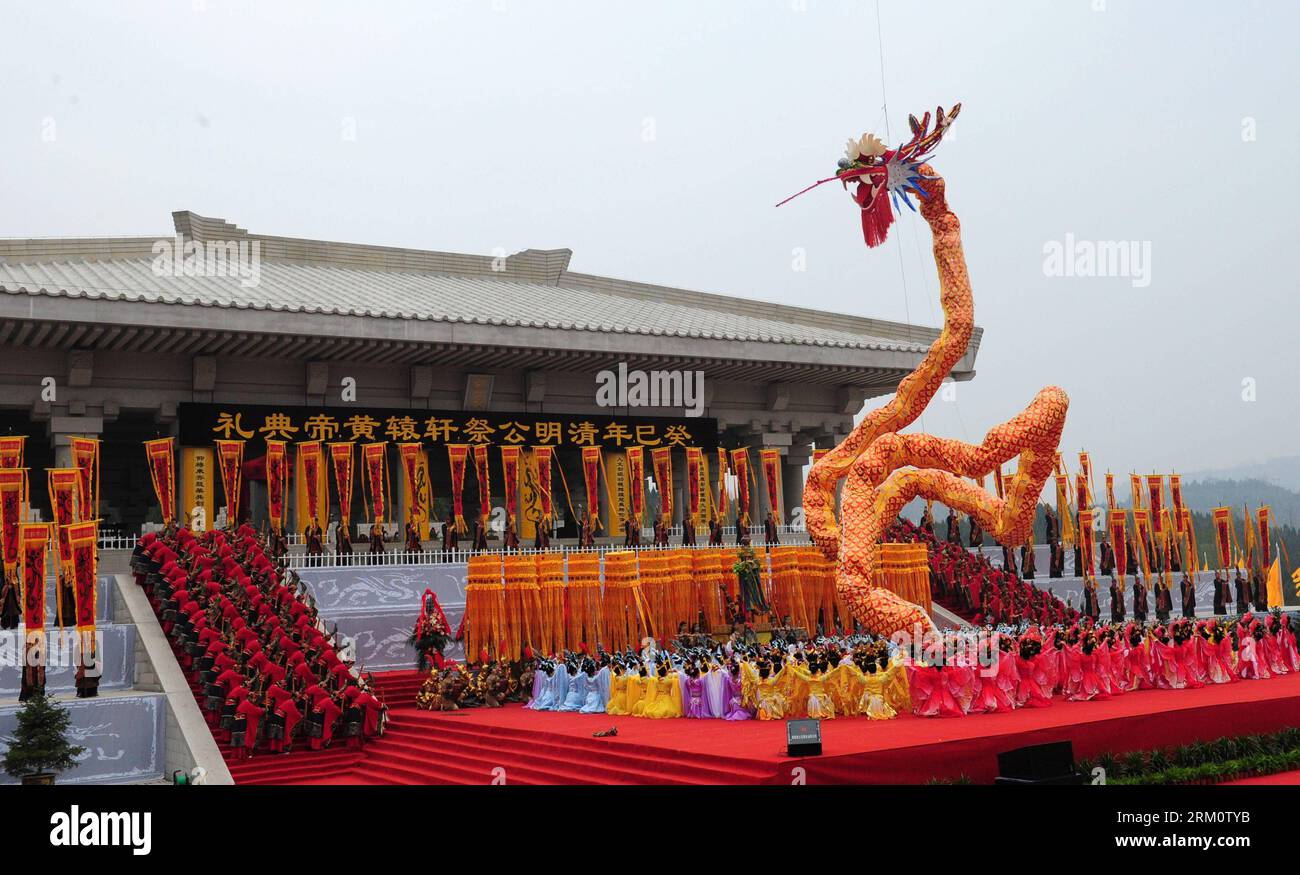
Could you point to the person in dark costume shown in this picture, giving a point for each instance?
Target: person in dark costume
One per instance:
(1107, 557)
(715, 531)
(10, 609)
(510, 537)
(954, 527)
(1189, 597)
(413, 543)
(342, 544)
(1139, 599)
(976, 533)
(1091, 608)
(1243, 597)
(1164, 601)
(631, 533)
(376, 539)
(1028, 565)
(1221, 594)
(1260, 590)
(449, 534)
(480, 536)
(769, 529)
(542, 539)
(688, 533)
(1008, 560)
(1116, 601)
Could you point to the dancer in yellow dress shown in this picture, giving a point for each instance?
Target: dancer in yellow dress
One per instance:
(667, 700)
(618, 684)
(814, 678)
(763, 690)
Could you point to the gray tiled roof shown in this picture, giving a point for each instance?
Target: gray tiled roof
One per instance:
(302, 288)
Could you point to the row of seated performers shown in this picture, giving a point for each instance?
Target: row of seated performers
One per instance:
(247, 631)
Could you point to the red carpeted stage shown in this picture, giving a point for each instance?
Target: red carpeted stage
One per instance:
(515, 746)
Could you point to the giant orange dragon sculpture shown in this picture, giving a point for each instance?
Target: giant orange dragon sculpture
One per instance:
(886, 469)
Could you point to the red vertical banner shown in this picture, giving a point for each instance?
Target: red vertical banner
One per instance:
(1110, 490)
(11, 451)
(65, 487)
(1085, 467)
(341, 457)
(1135, 488)
(1176, 499)
(694, 483)
(723, 502)
(483, 473)
(771, 459)
(510, 471)
(1086, 541)
(1082, 498)
(414, 483)
(661, 458)
(277, 481)
(636, 484)
(13, 511)
(457, 455)
(591, 481)
(1262, 515)
(1156, 492)
(161, 455)
(1142, 534)
(85, 458)
(374, 462)
(33, 543)
(1119, 539)
(542, 456)
(740, 465)
(83, 539)
(1223, 535)
(230, 456)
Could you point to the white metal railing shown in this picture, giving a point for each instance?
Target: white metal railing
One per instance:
(442, 557)
(118, 542)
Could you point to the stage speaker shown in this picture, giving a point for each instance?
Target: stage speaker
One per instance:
(803, 738)
(1051, 763)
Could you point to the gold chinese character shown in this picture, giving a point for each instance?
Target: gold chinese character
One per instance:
(401, 428)
(478, 431)
(515, 432)
(362, 427)
(645, 436)
(677, 435)
(440, 429)
(548, 433)
(618, 433)
(321, 427)
(583, 433)
(226, 424)
(278, 425)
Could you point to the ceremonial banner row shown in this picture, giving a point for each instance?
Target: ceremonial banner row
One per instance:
(24, 546)
(552, 602)
(529, 496)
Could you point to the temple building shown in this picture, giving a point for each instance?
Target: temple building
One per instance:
(216, 332)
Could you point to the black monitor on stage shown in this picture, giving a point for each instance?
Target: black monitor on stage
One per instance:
(803, 738)
(1051, 763)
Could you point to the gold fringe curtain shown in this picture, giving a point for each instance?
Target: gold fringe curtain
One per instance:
(788, 589)
(485, 615)
(551, 589)
(655, 586)
(523, 604)
(905, 571)
(582, 624)
(681, 604)
(706, 573)
(623, 607)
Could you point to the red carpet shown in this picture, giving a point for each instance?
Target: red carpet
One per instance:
(517, 746)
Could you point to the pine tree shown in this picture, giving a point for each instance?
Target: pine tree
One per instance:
(40, 744)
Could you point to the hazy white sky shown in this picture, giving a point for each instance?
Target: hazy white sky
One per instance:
(654, 138)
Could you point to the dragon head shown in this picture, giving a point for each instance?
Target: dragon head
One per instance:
(882, 176)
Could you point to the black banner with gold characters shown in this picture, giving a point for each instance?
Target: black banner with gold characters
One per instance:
(202, 424)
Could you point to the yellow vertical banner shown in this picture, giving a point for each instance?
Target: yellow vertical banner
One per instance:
(198, 500)
(530, 496)
(321, 489)
(417, 491)
(617, 491)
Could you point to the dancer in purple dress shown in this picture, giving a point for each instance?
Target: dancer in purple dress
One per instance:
(732, 698)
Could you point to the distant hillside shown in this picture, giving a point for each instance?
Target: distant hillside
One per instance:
(1283, 472)
(1205, 495)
